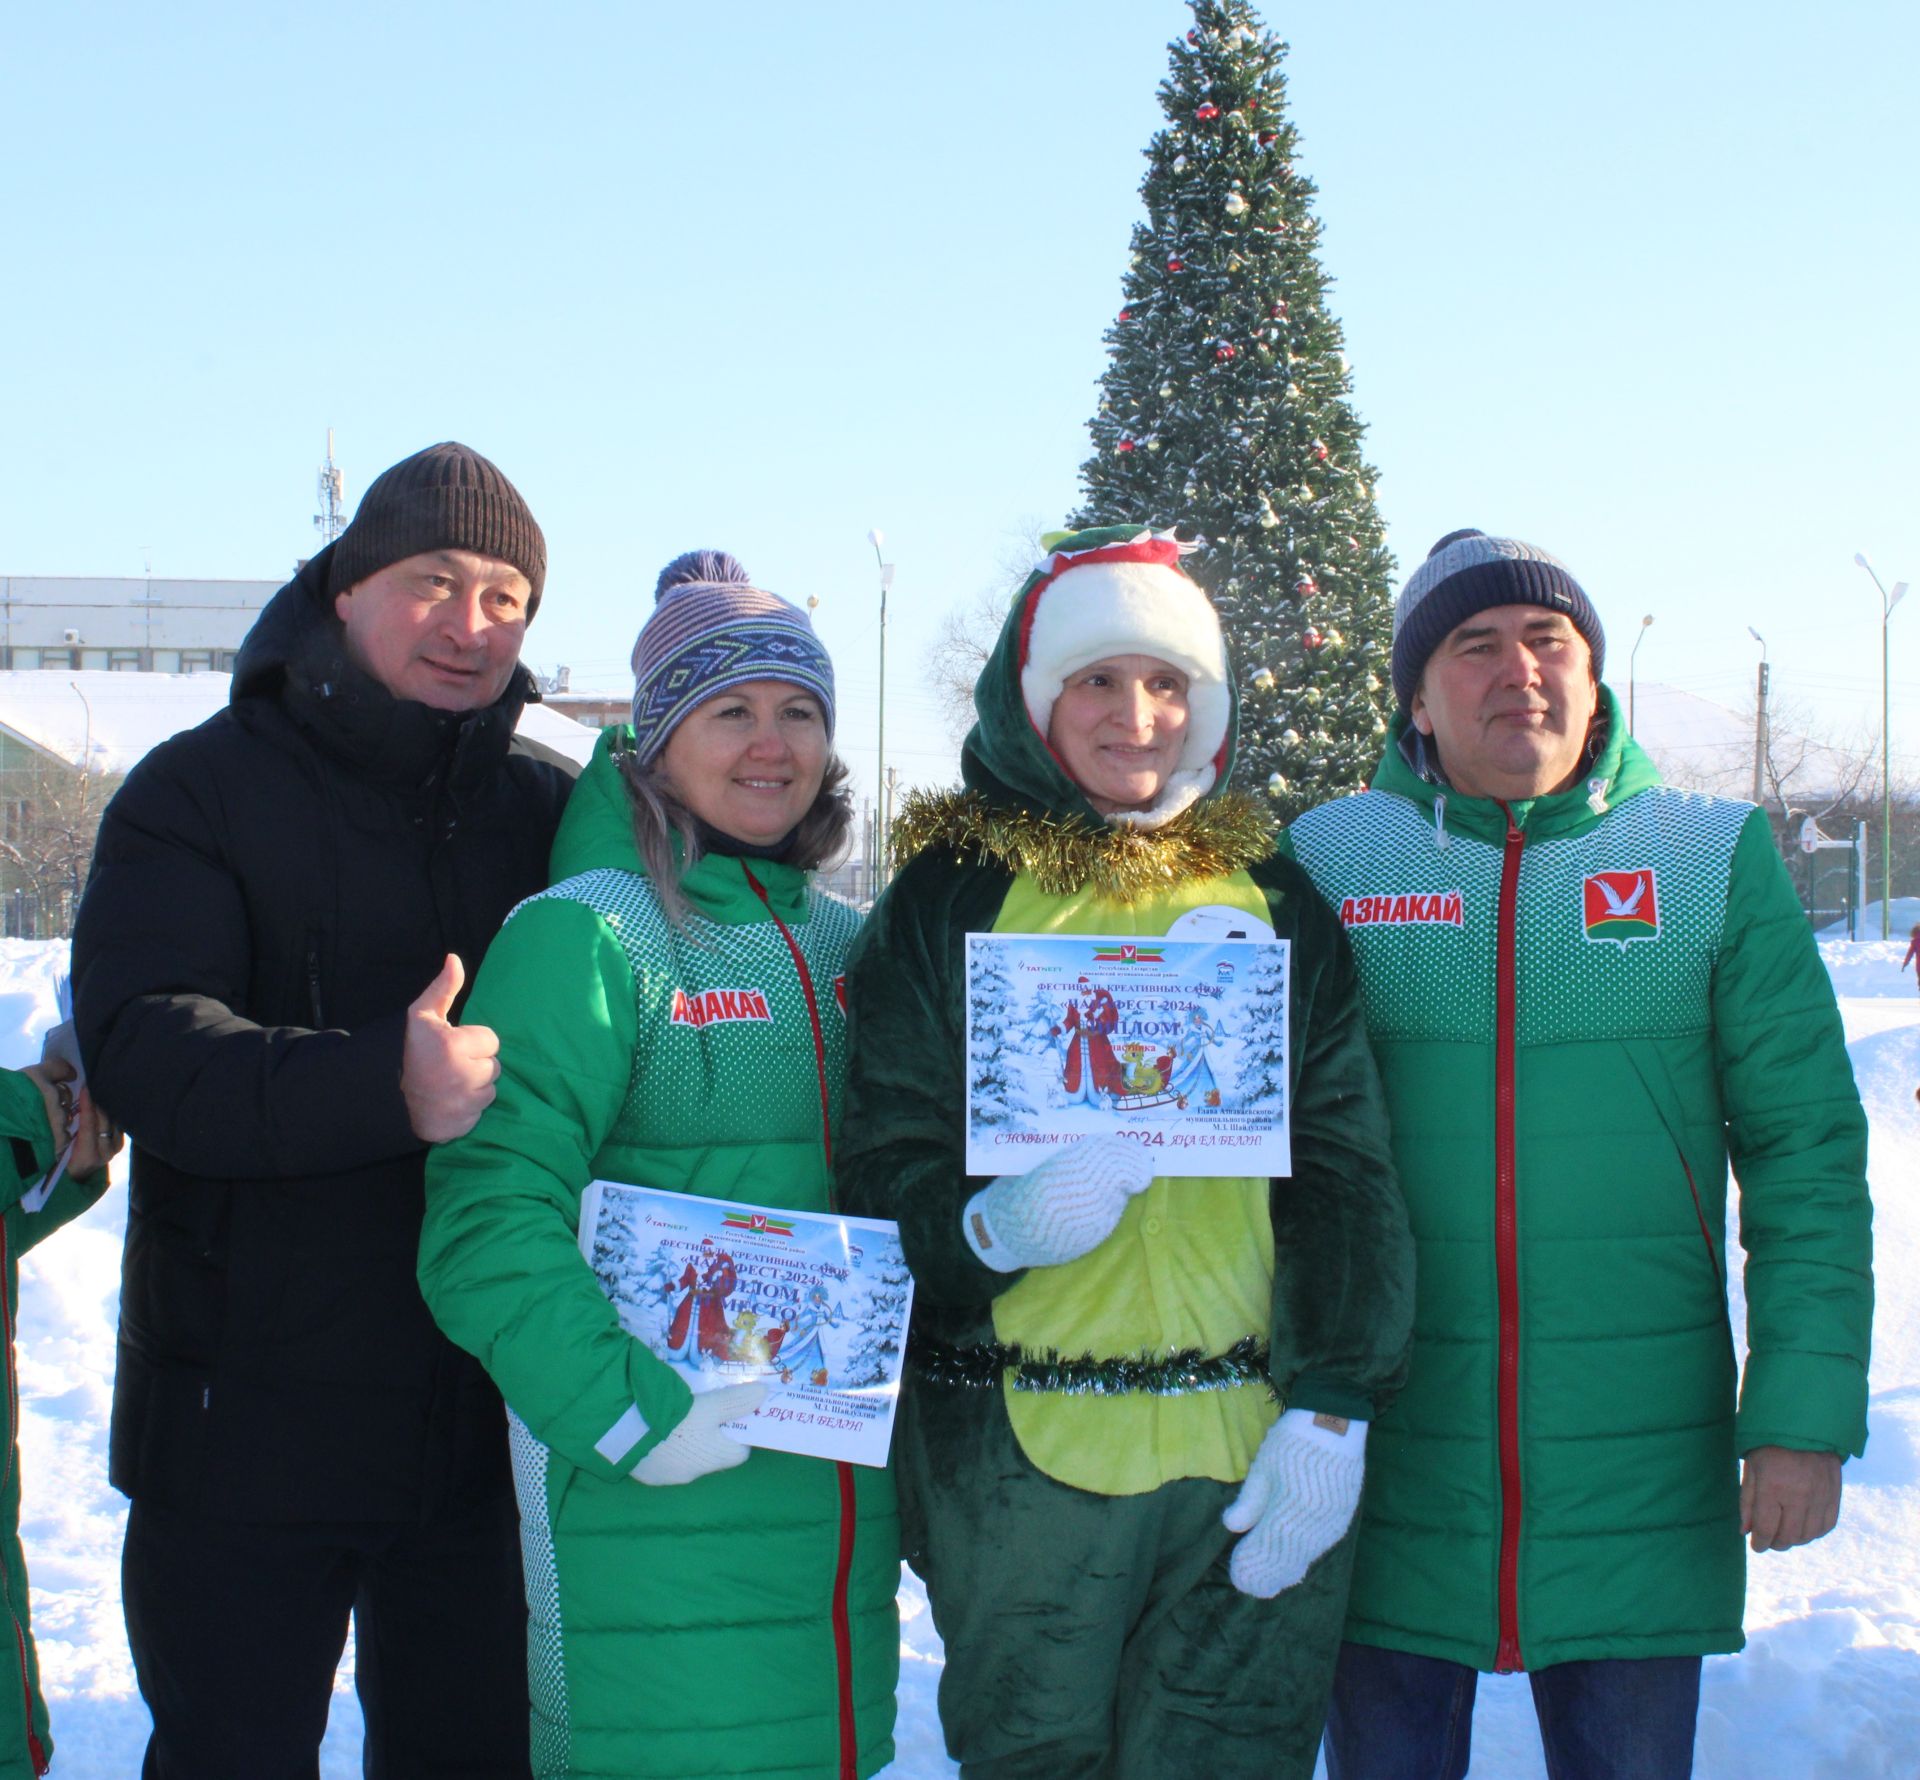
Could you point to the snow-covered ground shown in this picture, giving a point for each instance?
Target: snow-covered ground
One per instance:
(1828, 1689)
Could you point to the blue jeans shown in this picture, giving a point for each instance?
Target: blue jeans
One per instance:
(1394, 1716)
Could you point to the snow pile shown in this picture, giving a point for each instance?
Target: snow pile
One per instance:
(1904, 916)
(1828, 1689)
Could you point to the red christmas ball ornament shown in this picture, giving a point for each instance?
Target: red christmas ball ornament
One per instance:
(1278, 311)
(1319, 451)
(1124, 445)
(1126, 315)
(1311, 639)
(1268, 138)
(1206, 111)
(1223, 352)
(1193, 37)
(1306, 587)
(1176, 264)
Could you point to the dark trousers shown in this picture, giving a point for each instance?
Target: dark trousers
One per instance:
(1395, 1716)
(236, 1632)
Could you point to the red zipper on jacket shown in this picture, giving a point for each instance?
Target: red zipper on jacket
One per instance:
(1506, 1247)
(843, 1568)
(36, 1750)
(1700, 1213)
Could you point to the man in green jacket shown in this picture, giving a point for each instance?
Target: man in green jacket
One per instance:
(1587, 993)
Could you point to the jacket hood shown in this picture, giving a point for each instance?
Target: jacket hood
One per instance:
(596, 834)
(296, 653)
(1619, 767)
(288, 626)
(1005, 758)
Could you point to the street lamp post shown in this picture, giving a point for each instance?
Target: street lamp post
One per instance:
(882, 797)
(1887, 602)
(1760, 721)
(1632, 656)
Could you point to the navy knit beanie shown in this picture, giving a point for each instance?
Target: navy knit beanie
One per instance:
(712, 629)
(1469, 572)
(447, 497)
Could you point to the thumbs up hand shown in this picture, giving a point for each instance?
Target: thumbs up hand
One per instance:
(447, 1072)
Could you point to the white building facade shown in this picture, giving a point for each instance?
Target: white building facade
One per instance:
(146, 626)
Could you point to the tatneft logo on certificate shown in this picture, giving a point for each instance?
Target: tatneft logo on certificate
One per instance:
(1178, 1042)
(811, 1305)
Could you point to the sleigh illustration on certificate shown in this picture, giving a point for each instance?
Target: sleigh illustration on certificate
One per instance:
(1180, 1044)
(813, 1306)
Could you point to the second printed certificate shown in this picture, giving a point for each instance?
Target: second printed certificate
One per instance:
(1180, 1044)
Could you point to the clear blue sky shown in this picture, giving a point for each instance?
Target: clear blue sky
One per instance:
(1636, 282)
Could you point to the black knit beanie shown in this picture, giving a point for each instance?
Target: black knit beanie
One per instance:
(1469, 572)
(447, 497)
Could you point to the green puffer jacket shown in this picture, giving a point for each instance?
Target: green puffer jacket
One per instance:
(1327, 1315)
(742, 1624)
(1558, 1481)
(26, 1153)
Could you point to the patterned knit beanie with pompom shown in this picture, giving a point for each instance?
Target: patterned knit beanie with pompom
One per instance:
(711, 630)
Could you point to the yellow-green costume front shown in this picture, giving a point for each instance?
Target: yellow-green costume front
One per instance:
(742, 1624)
(1071, 1434)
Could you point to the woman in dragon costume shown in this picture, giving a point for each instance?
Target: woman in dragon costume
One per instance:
(1131, 1442)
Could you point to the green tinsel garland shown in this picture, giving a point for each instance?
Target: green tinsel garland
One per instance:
(985, 1363)
(1216, 836)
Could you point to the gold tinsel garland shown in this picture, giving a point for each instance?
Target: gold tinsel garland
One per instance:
(1065, 854)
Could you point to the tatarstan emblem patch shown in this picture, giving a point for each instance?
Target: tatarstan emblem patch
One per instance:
(1619, 907)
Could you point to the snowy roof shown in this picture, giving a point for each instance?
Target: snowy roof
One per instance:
(1708, 747)
(110, 721)
(105, 721)
(540, 723)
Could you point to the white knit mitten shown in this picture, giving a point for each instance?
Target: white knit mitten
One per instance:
(697, 1446)
(1061, 1209)
(1299, 1497)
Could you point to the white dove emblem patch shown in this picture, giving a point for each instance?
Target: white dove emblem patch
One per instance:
(1619, 907)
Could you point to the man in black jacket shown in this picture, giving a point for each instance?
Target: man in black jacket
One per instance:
(267, 966)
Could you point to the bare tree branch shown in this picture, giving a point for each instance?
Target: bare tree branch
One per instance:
(967, 633)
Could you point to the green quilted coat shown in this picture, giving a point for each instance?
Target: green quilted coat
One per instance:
(1581, 1015)
(742, 1624)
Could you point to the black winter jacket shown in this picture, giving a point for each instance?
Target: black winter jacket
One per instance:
(269, 893)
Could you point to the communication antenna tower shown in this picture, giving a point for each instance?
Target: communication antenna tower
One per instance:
(332, 517)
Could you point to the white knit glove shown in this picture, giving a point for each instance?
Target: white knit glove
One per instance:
(1299, 1497)
(697, 1446)
(1061, 1209)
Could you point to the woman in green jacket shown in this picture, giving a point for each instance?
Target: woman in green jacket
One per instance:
(39, 1115)
(695, 1608)
(1136, 1556)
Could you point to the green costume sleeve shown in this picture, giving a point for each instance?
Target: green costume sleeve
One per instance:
(1798, 1142)
(23, 1116)
(1343, 1252)
(500, 1264)
(900, 1152)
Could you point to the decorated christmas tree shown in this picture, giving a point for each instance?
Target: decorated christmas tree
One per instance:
(1225, 409)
